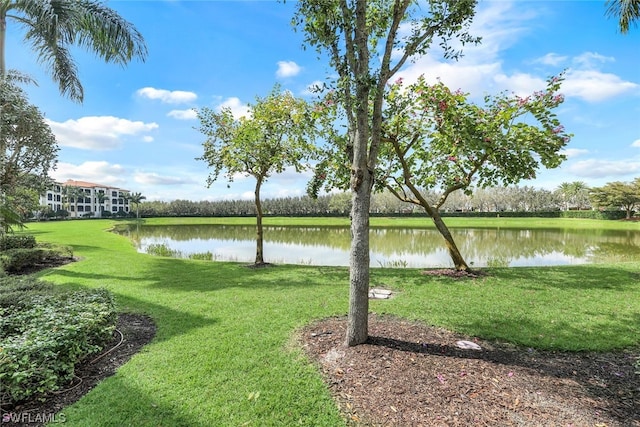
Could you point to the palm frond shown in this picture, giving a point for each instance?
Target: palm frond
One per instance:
(626, 11)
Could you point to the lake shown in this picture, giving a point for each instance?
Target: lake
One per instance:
(395, 247)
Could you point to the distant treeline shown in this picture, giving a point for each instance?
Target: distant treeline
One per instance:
(383, 204)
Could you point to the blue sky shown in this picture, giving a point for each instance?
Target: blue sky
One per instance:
(135, 129)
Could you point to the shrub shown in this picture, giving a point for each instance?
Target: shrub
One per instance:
(17, 241)
(41, 343)
(160, 249)
(205, 256)
(18, 260)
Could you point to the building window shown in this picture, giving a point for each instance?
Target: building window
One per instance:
(114, 194)
(114, 209)
(71, 208)
(114, 201)
(57, 197)
(80, 208)
(49, 196)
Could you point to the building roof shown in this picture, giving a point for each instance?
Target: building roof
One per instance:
(86, 184)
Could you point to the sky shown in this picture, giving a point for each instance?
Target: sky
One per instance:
(137, 129)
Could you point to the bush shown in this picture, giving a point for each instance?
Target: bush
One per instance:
(18, 260)
(41, 343)
(204, 256)
(17, 241)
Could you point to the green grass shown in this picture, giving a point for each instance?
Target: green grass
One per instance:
(224, 330)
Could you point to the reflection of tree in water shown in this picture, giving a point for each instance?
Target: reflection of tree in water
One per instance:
(484, 246)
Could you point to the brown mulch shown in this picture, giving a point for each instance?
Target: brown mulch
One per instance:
(410, 374)
(133, 331)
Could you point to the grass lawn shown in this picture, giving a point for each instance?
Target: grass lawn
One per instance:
(222, 353)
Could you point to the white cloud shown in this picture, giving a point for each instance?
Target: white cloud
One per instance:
(591, 60)
(573, 152)
(156, 179)
(238, 109)
(479, 71)
(147, 138)
(100, 172)
(166, 96)
(98, 132)
(190, 114)
(636, 143)
(594, 168)
(287, 69)
(594, 86)
(552, 59)
(520, 83)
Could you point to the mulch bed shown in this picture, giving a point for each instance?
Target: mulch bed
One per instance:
(133, 331)
(410, 374)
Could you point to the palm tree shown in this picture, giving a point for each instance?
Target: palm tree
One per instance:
(136, 198)
(101, 197)
(72, 193)
(53, 26)
(626, 11)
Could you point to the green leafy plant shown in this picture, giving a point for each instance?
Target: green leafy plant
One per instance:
(17, 241)
(41, 342)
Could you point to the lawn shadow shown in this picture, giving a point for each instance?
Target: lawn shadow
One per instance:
(207, 276)
(143, 407)
(575, 277)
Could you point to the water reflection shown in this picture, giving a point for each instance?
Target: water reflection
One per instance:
(397, 247)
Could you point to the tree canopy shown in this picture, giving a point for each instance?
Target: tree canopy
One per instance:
(618, 195)
(28, 149)
(436, 139)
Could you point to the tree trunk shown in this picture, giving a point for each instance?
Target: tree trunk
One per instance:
(358, 319)
(3, 34)
(454, 253)
(259, 231)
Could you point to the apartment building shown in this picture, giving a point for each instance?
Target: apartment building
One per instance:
(91, 200)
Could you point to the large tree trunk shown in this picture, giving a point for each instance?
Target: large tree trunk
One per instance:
(358, 319)
(361, 184)
(259, 231)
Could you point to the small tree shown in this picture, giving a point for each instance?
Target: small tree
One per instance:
(437, 139)
(277, 134)
(618, 195)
